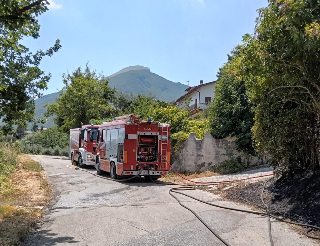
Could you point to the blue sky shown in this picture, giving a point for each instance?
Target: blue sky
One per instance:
(181, 40)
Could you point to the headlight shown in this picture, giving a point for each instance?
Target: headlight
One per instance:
(88, 156)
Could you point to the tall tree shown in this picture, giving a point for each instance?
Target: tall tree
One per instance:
(21, 79)
(85, 96)
(122, 103)
(284, 82)
(35, 127)
(231, 113)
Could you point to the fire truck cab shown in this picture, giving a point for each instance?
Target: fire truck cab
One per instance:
(131, 147)
(83, 144)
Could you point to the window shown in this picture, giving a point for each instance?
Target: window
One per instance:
(102, 135)
(121, 135)
(108, 142)
(114, 142)
(93, 135)
(207, 100)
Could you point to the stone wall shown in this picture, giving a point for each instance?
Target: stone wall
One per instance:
(199, 155)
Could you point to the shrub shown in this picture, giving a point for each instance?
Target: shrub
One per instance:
(48, 151)
(65, 152)
(8, 154)
(56, 151)
(232, 165)
(8, 163)
(37, 149)
(177, 139)
(48, 142)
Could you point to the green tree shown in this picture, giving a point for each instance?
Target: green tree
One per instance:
(176, 117)
(85, 96)
(231, 113)
(20, 131)
(21, 79)
(35, 127)
(122, 103)
(282, 64)
(144, 105)
(163, 112)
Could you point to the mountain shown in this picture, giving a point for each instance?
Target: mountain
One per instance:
(40, 109)
(130, 80)
(140, 80)
(130, 68)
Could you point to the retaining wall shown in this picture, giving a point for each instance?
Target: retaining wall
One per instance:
(199, 155)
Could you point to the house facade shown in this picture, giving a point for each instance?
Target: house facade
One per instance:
(197, 97)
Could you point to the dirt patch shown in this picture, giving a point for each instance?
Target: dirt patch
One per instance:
(296, 199)
(174, 178)
(23, 201)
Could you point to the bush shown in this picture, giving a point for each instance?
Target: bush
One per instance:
(48, 142)
(8, 162)
(37, 149)
(65, 152)
(177, 139)
(48, 151)
(56, 151)
(233, 165)
(5, 138)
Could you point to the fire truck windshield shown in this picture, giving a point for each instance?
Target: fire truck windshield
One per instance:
(93, 134)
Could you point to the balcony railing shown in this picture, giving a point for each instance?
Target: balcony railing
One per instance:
(199, 106)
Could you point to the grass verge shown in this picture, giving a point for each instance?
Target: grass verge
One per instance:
(24, 194)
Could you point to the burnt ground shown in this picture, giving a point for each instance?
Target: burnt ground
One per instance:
(294, 198)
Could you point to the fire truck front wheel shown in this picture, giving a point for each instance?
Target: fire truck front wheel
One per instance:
(72, 159)
(113, 171)
(80, 161)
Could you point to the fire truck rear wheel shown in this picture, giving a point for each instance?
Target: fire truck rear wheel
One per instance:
(113, 171)
(97, 166)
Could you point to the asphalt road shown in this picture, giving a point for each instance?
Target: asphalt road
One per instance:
(88, 210)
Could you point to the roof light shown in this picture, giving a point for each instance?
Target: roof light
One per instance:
(149, 119)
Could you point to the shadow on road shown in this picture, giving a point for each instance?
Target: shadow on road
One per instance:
(136, 181)
(47, 238)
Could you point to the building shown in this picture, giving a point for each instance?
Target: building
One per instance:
(197, 97)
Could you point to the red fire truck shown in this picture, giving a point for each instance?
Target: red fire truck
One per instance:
(84, 143)
(130, 147)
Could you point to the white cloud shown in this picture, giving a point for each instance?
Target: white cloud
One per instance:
(54, 5)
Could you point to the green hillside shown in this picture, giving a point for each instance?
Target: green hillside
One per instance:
(40, 109)
(130, 80)
(138, 79)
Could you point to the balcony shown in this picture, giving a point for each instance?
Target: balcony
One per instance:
(199, 106)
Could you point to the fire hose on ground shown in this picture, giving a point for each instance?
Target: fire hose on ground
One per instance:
(198, 183)
(267, 213)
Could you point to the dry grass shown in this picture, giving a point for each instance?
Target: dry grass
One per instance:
(173, 178)
(22, 202)
(26, 163)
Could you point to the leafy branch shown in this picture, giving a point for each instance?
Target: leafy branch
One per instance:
(18, 14)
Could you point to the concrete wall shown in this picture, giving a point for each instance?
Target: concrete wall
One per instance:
(199, 155)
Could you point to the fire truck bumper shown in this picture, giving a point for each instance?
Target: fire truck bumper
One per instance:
(145, 173)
